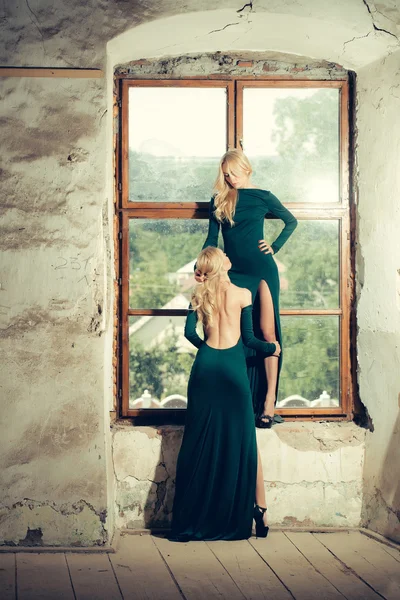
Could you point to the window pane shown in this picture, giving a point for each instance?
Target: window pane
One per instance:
(176, 137)
(308, 264)
(310, 372)
(160, 359)
(162, 258)
(292, 139)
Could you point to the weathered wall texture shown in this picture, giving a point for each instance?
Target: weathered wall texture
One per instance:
(378, 276)
(250, 64)
(348, 32)
(57, 261)
(75, 33)
(312, 471)
(52, 293)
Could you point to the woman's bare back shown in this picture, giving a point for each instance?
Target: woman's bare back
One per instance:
(225, 331)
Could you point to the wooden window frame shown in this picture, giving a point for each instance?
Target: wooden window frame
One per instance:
(339, 211)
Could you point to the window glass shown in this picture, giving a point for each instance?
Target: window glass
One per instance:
(308, 264)
(291, 137)
(160, 359)
(176, 137)
(310, 371)
(162, 257)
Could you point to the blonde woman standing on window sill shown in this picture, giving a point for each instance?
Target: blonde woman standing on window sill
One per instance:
(238, 209)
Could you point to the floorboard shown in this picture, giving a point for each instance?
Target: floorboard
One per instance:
(303, 581)
(392, 551)
(141, 571)
(198, 572)
(343, 579)
(368, 559)
(251, 574)
(93, 577)
(7, 576)
(43, 577)
(285, 566)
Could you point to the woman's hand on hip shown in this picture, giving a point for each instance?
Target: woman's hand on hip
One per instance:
(265, 247)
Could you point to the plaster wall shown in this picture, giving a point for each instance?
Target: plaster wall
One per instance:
(75, 33)
(56, 301)
(53, 272)
(312, 471)
(378, 277)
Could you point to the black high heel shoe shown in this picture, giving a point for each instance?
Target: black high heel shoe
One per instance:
(264, 422)
(261, 528)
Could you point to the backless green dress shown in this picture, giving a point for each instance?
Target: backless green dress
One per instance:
(217, 463)
(250, 266)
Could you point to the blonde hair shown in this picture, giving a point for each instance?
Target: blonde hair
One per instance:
(205, 297)
(225, 197)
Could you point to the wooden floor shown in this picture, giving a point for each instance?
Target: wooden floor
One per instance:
(284, 566)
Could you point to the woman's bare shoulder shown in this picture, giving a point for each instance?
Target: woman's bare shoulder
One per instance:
(242, 294)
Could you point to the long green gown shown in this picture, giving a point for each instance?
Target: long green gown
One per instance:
(217, 463)
(250, 266)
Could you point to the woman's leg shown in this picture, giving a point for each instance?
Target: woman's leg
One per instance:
(260, 490)
(267, 325)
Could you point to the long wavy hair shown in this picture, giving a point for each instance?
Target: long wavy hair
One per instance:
(225, 196)
(205, 297)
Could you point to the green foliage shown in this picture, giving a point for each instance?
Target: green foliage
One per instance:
(308, 127)
(310, 262)
(161, 369)
(169, 179)
(149, 286)
(157, 250)
(310, 363)
(306, 132)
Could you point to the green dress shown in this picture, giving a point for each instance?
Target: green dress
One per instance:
(250, 266)
(217, 463)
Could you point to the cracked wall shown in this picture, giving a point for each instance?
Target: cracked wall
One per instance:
(75, 34)
(312, 471)
(249, 64)
(378, 277)
(52, 296)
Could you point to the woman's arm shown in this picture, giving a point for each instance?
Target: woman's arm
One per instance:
(276, 208)
(213, 228)
(248, 337)
(190, 328)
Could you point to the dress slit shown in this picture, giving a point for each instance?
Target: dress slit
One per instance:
(255, 361)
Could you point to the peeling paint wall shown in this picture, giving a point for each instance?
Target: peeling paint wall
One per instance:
(312, 471)
(249, 64)
(378, 277)
(56, 262)
(348, 32)
(75, 33)
(52, 311)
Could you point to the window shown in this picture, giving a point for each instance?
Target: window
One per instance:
(173, 133)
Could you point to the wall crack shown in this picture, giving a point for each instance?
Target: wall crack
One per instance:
(357, 37)
(373, 22)
(248, 5)
(35, 22)
(229, 25)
